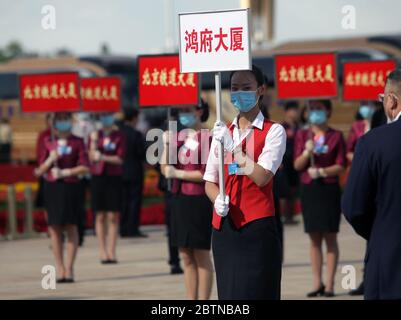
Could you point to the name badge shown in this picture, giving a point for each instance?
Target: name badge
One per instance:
(64, 150)
(108, 145)
(232, 168)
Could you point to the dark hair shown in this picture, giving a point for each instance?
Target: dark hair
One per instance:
(327, 103)
(62, 113)
(130, 114)
(291, 105)
(395, 77)
(261, 79)
(205, 107)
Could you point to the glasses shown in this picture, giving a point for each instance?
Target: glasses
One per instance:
(382, 96)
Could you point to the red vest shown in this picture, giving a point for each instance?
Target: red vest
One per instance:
(248, 202)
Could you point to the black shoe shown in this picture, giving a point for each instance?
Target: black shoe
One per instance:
(134, 235)
(290, 222)
(358, 291)
(108, 261)
(176, 270)
(69, 280)
(60, 280)
(329, 294)
(316, 293)
(139, 234)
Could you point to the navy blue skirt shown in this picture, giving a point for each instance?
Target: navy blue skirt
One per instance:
(248, 261)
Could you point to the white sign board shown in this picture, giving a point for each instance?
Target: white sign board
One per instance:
(215, 41)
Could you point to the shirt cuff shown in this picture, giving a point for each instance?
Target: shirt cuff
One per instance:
(268, 166)
(210, 178)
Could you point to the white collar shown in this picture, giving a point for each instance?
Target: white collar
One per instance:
(395, 119)
(257, 122)
(398, 116)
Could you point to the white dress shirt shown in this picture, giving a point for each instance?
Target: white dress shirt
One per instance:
(272, 153)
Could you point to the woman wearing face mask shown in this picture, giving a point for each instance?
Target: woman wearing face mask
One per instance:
(62, 160)
(320, 190)
(191, 210)
(106, 152)
(359, 127)
(246, 244)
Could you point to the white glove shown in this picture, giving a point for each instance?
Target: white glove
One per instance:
(221, 206)
(222, 135)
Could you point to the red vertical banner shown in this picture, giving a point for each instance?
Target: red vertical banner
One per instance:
(303, 76)
(160, 82)
(101, 94)
(51, 92)
(365, 80)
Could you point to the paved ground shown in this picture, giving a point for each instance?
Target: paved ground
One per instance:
(143, 272)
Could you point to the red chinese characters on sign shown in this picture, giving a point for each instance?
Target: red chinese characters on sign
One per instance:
(49, 92)
(101, 94)
(199, 41)
(160, 82)
(364, 80)
(306, 76)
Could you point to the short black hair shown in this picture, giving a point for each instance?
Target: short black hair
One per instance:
(327, 103)
(395, 77)
(205, 107)
(130, 114)
(261, 79)
(291, 105)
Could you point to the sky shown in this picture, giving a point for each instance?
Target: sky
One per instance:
(132, 26)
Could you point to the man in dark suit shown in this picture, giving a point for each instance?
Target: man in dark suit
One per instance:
(133, 176)
(372, 200)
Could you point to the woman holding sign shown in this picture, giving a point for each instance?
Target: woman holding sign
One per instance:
(62, 160)
(246, 244)
(320, 190)
(106, 152)
(191, 209)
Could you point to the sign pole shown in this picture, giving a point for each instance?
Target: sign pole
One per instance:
(217, 79)
(168, 144)
(312, 159)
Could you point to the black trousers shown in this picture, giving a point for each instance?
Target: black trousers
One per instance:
(174, 258)
(248, 260)
(131, 207)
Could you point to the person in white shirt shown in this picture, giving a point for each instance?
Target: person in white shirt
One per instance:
(245, 242)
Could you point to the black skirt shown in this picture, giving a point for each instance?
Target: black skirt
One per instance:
(63, 202)
(248, 260)
(106, 193)
(191, 221)
(321, 207)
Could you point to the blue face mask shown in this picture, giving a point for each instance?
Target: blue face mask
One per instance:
(107, 121)
(62, 125)
(82, 116)
(187, 119)
(243, 100)
(317, 117)
(366, 112)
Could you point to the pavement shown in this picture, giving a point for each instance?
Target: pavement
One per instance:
(143, 272)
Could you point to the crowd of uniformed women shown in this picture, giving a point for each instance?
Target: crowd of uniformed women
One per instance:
(240, 224)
